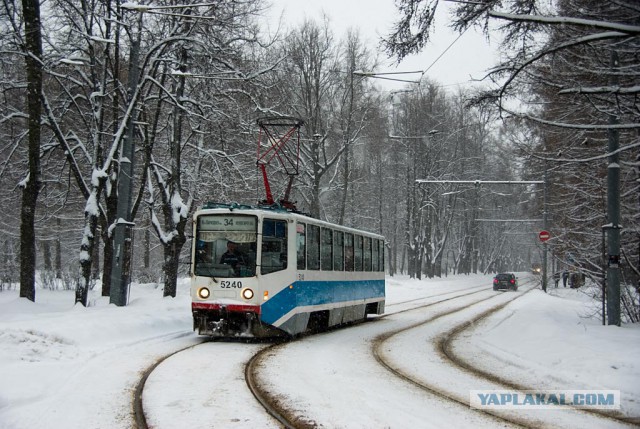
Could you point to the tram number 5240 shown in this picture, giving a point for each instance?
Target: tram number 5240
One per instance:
(230, 285)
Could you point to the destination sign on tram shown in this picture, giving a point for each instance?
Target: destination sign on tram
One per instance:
(227, 223)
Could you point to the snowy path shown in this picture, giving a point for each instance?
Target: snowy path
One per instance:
(333, 380)
(421, 358)
(109, 406)
(341, 385)
(208, 387)
(64, 366)
(573, 361)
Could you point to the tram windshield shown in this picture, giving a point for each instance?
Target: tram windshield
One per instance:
(225, 246)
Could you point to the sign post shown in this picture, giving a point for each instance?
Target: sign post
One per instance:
(544, 236)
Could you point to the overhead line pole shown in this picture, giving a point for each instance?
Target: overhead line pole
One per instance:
(545, 223)
(613, 213)
(123, 231)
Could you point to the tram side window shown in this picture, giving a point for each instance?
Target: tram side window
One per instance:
(326, 250)
(313, 247)
(374, 255)
(338, 253)
(274, 246)
(367, 254)
(348, 252)
(358, 252)
(381, 255)
(301, 250)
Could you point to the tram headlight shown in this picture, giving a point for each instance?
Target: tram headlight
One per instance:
(247, 293)
(203, 293)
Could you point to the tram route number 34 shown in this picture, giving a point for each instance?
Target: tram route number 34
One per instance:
(230, 285)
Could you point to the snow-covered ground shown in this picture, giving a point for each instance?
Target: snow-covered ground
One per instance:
(65, 366)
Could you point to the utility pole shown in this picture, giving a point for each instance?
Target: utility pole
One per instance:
(613, 212)
(545, 228)
(122, 241)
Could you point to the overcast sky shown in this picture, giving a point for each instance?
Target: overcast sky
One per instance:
(467, 58)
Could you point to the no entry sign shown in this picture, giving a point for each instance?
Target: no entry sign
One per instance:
(544, 236)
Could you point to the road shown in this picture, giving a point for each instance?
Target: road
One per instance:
(392, 371)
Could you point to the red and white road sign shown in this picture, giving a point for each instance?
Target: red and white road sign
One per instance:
(544, 236)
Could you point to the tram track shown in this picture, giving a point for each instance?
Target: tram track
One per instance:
(456, 294)
(428, 304)
(291, 419)
(139, 418)
(380, 341)
(273, 404)
(445, 347)
(278, 406)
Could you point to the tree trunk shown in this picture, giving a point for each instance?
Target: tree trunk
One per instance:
(86, 250)
(345, 184)
(170, 267)
(107, 261)
(33, 38)
(95, 266)
(58, 252)
(147, 250)
(46, 254)
(411, 262)
(314, 209)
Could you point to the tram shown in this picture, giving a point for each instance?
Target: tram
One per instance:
(268, 271)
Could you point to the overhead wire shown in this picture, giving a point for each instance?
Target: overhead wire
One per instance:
(443, 52)
(382, 75)
(423, 72)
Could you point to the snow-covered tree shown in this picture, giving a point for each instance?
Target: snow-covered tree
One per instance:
(570, 69)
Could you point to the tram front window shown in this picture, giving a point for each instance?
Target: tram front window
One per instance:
(225, 246)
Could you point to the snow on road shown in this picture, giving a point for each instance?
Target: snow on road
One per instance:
(552, 341)
(64, 366)
(334, 380)
(417, 352)
(204, 387)
(312, 375)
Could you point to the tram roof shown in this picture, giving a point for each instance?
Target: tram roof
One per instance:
(262, 209)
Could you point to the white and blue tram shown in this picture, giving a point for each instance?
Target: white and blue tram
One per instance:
(269, 272)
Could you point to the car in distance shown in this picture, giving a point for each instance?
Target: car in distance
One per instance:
(505, 281)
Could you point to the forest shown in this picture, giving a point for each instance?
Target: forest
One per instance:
(152, 108)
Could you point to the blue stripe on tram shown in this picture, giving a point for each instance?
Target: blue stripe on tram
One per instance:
(309, 293)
